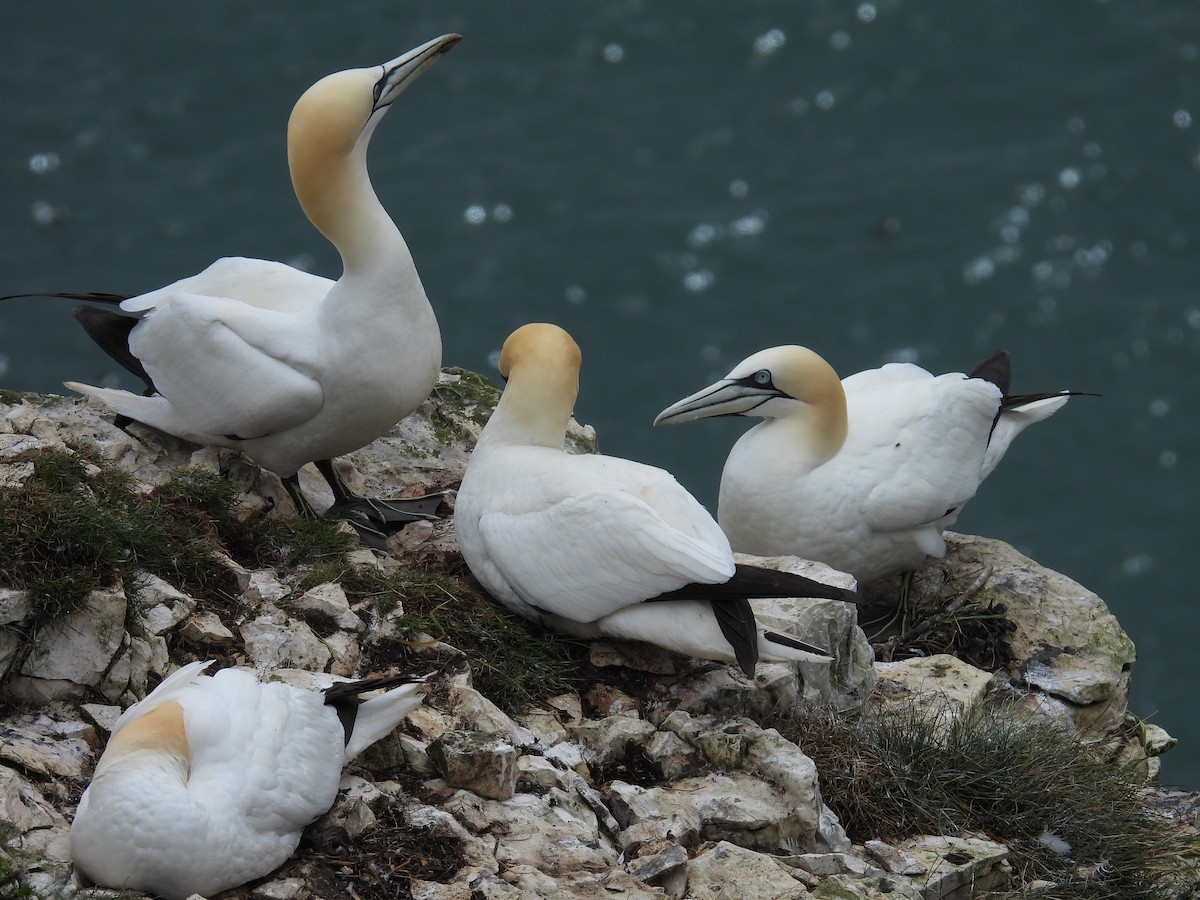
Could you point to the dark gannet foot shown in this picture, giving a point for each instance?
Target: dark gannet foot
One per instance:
(374, 520)
(382, 513)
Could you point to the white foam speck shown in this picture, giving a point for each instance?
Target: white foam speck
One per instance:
(768, 43)
(475, 215)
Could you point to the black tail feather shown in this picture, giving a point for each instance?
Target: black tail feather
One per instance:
(110, 331)
(345, 696)
(740, 628)
(786, 640)
(753, 583)
(997, 369)
(90, 296)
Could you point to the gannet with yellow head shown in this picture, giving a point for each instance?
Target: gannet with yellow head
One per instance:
(594, 545)
(287, 366)
(207, 782)
(862, 474)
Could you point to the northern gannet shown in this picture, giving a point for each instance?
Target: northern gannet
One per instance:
(207, 782)
(865, 473)
(287, 366)
(594, 545)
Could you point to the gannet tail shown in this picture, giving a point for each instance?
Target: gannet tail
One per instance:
(366, 721)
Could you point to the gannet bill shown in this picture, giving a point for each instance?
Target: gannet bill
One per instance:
(287, 366)
(583, 543)
(865, 473)
(207, 782)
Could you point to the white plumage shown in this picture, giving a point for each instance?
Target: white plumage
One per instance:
(207, 782)
(579, 542)
(862, 474)
(287, 366)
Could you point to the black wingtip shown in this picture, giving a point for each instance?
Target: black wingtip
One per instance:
(110, 331)
(738, 625)
(89, 296)
(786, 640)
(997, 369)
(346, 696)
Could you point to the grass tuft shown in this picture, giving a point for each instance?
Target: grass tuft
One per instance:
(1001, 772)
(512, 662)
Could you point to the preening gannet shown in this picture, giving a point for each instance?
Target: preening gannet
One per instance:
(594, 545)
(287, 366)
(862, 474)
(207, 782)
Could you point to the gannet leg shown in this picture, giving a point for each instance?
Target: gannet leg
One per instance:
(372, 518)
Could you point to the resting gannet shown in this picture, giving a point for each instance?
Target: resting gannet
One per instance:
(207, 782)
(862, 474)
(583, 543)
(287, 366)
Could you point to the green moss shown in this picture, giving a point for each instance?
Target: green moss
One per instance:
(12, 886)
(1002, 772)
(10, 398)
(512, 663)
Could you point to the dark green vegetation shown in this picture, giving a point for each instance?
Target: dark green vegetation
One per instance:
(77, 524)
(1002, 772)
(512, 663)
(11, 885)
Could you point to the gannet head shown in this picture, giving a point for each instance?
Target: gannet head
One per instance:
(340, 111)
(160, 732)
(781, 382)
(332, 124)
(540, 363)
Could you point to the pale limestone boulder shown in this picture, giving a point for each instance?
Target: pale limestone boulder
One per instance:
(74, 653)
(161, 606)
(1065, 644)
(609, 739)
(661, 864)
(265, 587)
(484, 762)
(545, 725)
(140, 656)
(555, 834)
(274, 641)
(859, 887)
(471, 711)
(735, 807)
(14, 606)
(940, 687)
(846, 681)
(671, 756)
(951, 863)
(894, 860)
(23, 806)
(344, 652)
(48, 745)
(727, 871)
(205, 629)
(326, 602)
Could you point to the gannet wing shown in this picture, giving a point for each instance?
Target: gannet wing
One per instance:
(921, 445)
(231, 369)
(595, 552)
(262, 283)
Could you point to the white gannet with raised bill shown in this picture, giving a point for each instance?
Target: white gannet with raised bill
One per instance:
(207, 782)
(594, 545)
(287, 366)
(865, 473)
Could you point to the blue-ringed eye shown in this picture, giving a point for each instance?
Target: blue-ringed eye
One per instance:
(762, 376)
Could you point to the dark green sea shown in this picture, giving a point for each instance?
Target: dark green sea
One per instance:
(680, 184)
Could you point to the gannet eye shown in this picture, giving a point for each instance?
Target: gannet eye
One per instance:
(763, 377)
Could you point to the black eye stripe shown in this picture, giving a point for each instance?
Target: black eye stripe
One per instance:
(761, 380)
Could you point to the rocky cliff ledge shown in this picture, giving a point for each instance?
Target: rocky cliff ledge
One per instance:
(989, 749)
